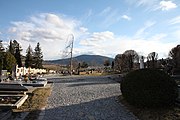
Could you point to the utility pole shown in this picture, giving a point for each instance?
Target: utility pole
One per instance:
(71, 67)
(69, 50)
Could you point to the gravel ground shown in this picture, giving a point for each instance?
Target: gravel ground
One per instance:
(85, 98)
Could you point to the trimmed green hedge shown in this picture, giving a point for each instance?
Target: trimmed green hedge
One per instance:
(149, 88)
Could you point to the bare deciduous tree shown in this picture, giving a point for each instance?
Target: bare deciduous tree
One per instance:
(120, 62)
(125, 62)
(152, 59)
(131, 58)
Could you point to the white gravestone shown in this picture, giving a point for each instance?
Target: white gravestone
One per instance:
(142, 62)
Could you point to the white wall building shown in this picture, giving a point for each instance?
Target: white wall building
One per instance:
(23, 71)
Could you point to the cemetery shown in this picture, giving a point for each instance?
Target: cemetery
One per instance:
(10, 89)
(152, 86)
(14, 91)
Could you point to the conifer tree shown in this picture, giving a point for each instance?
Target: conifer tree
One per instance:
(7, 60)
(38, 57)
(1, 55)
(15, 50)
(29, 57)
(11, 48)
(18, 56)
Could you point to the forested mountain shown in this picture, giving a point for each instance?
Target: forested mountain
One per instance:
(91, 60)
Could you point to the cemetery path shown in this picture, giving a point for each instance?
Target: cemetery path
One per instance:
(85, 98)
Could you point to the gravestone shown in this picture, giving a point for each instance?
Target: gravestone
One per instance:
(142, 62)
(12, 87)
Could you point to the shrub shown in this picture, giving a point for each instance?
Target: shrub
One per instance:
(149, 88)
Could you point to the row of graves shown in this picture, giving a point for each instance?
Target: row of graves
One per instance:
(14, 91)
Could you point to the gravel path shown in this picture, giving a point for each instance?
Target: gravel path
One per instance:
(85, 98)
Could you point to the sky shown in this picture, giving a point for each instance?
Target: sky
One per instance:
(96, 27)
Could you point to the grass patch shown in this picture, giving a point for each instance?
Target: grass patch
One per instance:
(36, 100)
(166, 113)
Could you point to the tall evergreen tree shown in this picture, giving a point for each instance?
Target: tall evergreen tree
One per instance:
(18, 56)
(1, 55)
(38, 57)
(11, 48)
(15, 49)
(29, 57)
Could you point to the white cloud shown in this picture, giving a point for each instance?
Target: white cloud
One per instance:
(175, 20)
(50, 30)
(96, 43)
(177, 34)
(106, 43)
(145, 2)
(142, 30)
(158, 37)
(126, 17)
(88, 14)
(154, 5)
(145, 46)
(142, 2)
(167, 5)
(83, 29)
(120, 44)
(110, 16)
(97, 39)
(106, 11)
(148, 4)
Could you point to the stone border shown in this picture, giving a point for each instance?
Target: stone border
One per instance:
(17, 104)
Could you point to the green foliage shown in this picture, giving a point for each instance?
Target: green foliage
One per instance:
(9, 61)
(106, 63)
(11, 48)
(149, 88)
(1, 47)
(112, 65)
(1, 55)
(11, 57)
(29, 57)
(15, 50)
(38, 57)
(84, 65)
(175, 55)
(18, 56)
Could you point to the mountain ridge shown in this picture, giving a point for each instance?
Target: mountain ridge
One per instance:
(91, 60)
